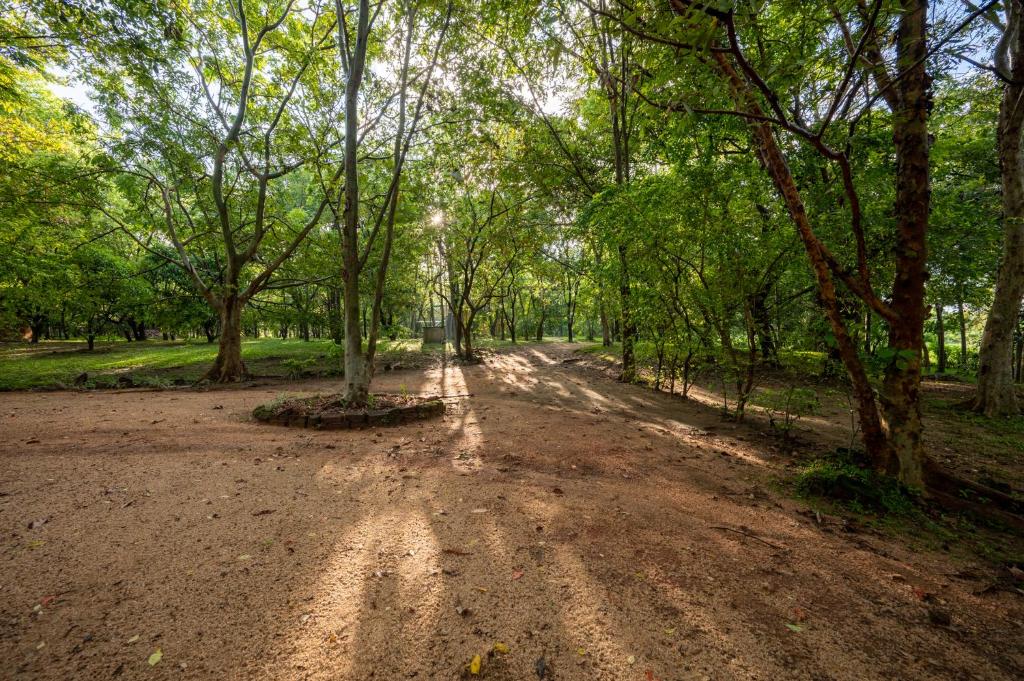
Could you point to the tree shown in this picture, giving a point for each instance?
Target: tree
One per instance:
(997, 395)
(353, 46)
(210, 141)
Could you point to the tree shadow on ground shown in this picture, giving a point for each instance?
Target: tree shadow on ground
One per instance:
(602, 529)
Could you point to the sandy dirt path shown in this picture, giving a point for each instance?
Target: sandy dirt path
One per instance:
(598, 531)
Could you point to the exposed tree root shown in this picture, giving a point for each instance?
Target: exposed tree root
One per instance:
(219, 373)
(960, 494)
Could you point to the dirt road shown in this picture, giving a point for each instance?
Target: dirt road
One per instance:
(592, 530)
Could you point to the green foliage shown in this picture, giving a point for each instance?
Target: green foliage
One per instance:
(840, 479)
(786, 406)
(298, 367)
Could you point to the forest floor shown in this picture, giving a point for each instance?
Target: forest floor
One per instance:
(557, 524)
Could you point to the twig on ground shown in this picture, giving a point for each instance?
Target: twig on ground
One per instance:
(749, 534)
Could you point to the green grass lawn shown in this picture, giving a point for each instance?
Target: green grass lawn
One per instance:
(53, 363)
(48, 364)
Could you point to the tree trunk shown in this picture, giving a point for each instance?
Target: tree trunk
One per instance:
(91, 341)
(467, 340)
(38, 324)
(1019, 373)
(893, 444)
(900, 393)
(940, 330)
(335, 320)
(763, 324)
(628, 325)
(357, 375)
(229, 367)
(963, 334)
(606, 332)
(997, 395)
(867, 331)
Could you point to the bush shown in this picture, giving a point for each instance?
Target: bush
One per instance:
(787, 406)
(297, 368)
(840, 478)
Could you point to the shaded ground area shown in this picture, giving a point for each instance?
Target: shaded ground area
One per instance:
(990, 451)
(609, 531)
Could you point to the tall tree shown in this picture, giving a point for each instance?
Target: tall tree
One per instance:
(209, 143)
(997, 394)
(353, 48)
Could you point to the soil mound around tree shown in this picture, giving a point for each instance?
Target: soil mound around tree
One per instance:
(332, 412)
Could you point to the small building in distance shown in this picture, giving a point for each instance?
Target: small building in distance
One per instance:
(433, 333)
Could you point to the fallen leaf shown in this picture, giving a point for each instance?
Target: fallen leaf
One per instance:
(244, 556)
(794, 627)
(42, 644)
(155, 658)
(133, 639)
(474, 665)
(581, 651)
(631, 659)
(479, 510)
(501, 648)
(517, 574)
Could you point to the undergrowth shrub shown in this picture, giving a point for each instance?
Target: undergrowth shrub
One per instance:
(840, 478)
(786, 406)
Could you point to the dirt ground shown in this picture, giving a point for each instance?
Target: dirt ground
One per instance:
(593, 530)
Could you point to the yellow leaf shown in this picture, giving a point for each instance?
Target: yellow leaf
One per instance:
(500, 648)
(581, 651)
(474, 665)
(156, 657)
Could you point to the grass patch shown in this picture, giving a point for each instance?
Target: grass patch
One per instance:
(608, 353)
(159, 363)
(1004, 435)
